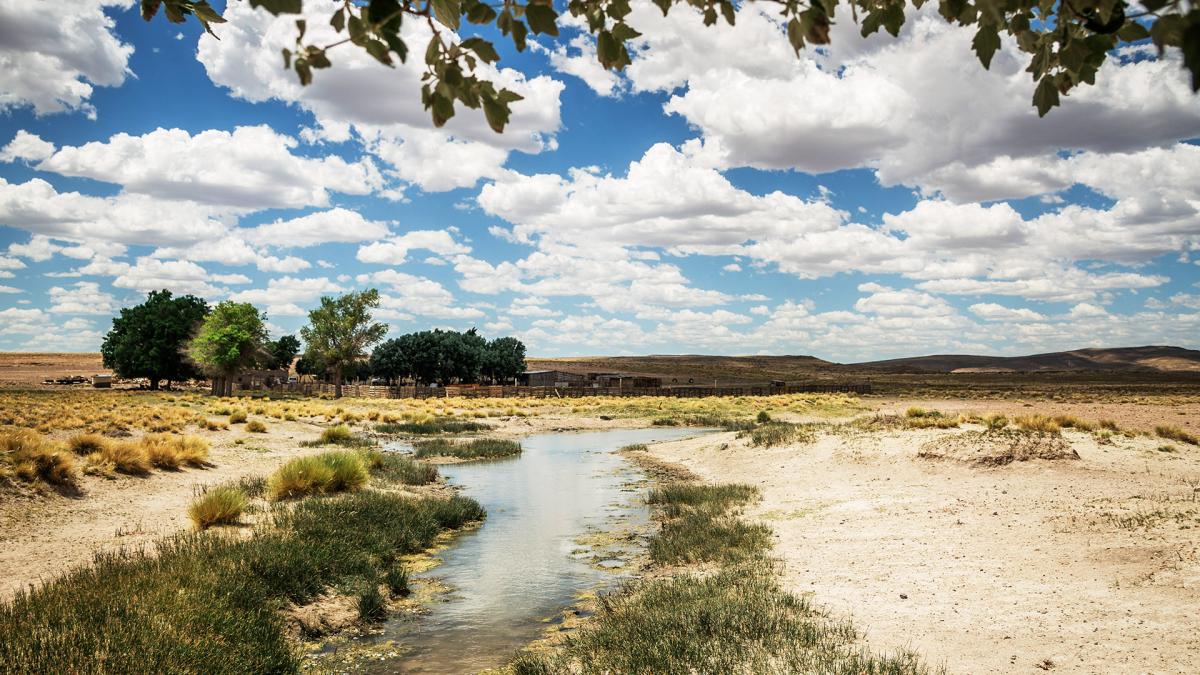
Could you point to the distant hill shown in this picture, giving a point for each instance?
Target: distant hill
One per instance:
(699, 368)
(1127, 359)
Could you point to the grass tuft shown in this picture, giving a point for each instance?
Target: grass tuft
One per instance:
(1175, 434)
(256, 427)
(222, 505)
(779, 433)
(482, 448)
(440, 425)
(340, 471)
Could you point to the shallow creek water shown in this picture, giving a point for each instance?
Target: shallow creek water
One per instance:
(530, 559)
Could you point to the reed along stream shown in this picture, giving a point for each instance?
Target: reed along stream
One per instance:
(526, 563)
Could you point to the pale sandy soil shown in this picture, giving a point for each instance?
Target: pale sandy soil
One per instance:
(1139, 417)
(985, 570)
(44, 535)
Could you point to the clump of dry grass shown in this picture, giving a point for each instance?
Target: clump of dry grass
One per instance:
(129, 457)
(256, 427)
(237, 417)
(222, 505)
(1040, 423)
(1073, 422)
(86, 444)
(1175, 434)
(31, 457)
(170, 452)
(215, 425)
(339, 471)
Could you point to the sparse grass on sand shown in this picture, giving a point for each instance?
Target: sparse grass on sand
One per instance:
(998, 447)
(1175, 434)
(731, 619)
(772, 434)
(207, 602)
(396, 467)
(339, 435)
(481, 448)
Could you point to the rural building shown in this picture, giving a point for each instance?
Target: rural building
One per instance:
(549, 378)
(623, 381)
(261, 379)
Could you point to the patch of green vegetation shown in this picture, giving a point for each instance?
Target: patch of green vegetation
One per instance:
(339, 471)
(221, 505)
(736, 619)
(398, 468)
(208, 602)
(481, 448)
(441, 425)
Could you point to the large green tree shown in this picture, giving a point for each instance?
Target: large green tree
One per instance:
(232, 338)
(148, 340)
(504, 359)
(1067, 40)
(282, 352)
(341, 330)
(390, 362)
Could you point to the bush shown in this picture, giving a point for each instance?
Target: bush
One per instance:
(763, 417)
(1040, 423)
(237, 417)
(215, 425)
(222, 505)
(256, 427)
(396, 579)
(482, 448)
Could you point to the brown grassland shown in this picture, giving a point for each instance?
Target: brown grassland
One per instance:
(987, 522)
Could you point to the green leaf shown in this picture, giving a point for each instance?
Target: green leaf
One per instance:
(985, 44)
(893, 18)
(447, 13)
(542, 19)
(497, 114)
(150, 8)
(278, 7)
(795, 34)
(727, 12)
(1045, 96)
(1133, 31)
(443, 109)
(484, 49)
(206, 13)
(338, 20)
(1191, 48)
(607, 49)
(518, 32)
(623, 32)
(379, 50)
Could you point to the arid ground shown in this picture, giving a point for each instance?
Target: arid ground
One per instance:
(983, 563)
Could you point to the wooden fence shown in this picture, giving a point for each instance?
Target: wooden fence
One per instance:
(483, 391)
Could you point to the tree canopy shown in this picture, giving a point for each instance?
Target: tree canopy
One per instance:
(1067, 40)
(447, 356)
(341, 330)
(148, 340)
(232, 338)
(282, 352)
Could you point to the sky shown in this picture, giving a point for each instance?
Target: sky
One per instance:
(879, 198)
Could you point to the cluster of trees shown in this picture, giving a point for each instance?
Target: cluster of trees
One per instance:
(180, 338)
(177, 338)
(446, 356)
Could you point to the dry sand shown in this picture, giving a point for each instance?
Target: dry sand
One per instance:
(1010, 569)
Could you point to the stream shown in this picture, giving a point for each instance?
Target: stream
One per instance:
(530, 559)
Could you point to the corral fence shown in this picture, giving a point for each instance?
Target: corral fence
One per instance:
(484, 391)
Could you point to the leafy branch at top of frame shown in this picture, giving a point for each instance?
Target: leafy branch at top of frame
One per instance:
(1067, 40)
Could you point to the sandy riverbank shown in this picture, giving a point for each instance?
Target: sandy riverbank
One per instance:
(1019, 568)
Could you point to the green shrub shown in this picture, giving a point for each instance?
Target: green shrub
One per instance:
(372, 608)
(441, 425)
(396, 579)
(482, 448)
(396, 467)
(763, 417)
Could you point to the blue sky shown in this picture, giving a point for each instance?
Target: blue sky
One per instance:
(880, 198)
